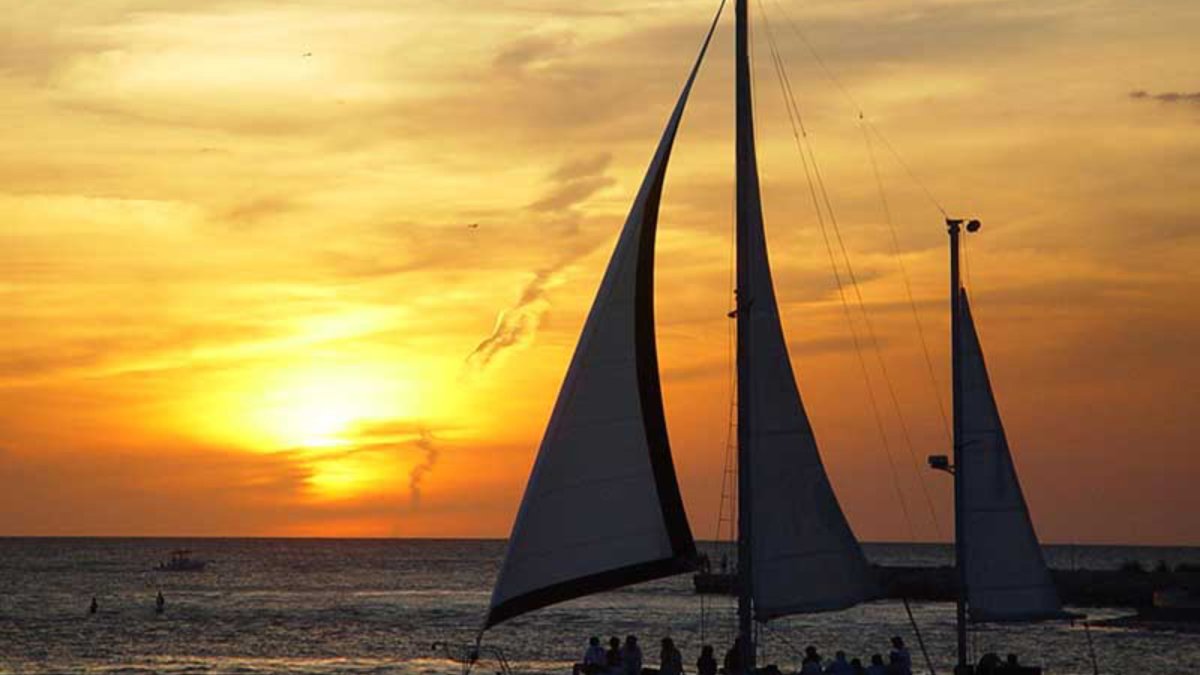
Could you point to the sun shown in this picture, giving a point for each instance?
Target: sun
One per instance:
(314, 406)
(320, 408)
(339, 418)
(319, 413)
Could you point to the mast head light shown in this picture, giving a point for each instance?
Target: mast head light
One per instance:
(973, 225)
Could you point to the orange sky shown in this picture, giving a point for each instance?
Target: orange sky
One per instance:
(242, 288)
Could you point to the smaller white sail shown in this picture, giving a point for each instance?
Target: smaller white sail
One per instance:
(805, 556)
(1007, 578)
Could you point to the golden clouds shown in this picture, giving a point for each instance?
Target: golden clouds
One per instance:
(242, 239)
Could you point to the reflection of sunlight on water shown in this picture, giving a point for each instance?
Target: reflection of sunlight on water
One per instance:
(306, 666)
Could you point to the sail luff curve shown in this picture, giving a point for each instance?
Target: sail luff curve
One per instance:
(602, 508)
(1007, 577)
(806, 557)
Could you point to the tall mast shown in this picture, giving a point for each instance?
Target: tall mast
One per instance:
(749, 215)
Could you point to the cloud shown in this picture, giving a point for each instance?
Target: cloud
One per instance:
(248, 212)
(1192, 97)
(417, 474)
(573, 183)
(576, 181)
(399, 436)
(516, 326)
(530, 51)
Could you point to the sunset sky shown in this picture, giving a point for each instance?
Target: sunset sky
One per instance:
(317, 268)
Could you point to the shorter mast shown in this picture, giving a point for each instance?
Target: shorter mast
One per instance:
(1001, 572)
(960, 613)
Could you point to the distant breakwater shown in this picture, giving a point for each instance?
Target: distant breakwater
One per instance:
(1128, 587)
(1131, 586)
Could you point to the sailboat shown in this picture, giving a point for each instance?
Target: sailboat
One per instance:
(1002, 575)
(602, 508)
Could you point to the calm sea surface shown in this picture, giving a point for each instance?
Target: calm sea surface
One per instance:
(378, 606)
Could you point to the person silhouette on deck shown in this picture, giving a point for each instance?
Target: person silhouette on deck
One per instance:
(856, 667)
(839, 665)
(811, 665)
(877, 667)
(94, 607)
(593, 659)
(899, 660)
(631, 656)
(707, 663)
(670, 661)
(1011, 667)
(733, 658)
(988, 665)
(612, 658)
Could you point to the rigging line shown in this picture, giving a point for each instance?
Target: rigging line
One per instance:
(917, 630)
(867, 125)
(873, 336)
(798, 132)
(905, 432)
(907, 168)
(857, 108)
(797, 652)
(728, 486)
(858, 293)
(817, 57)
(887, 215)
(912, 303)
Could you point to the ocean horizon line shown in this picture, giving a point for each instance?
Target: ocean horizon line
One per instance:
(221, 537)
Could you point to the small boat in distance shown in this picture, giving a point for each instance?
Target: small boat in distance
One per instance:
(181, 561)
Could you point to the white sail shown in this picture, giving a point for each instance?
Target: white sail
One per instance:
(803, 555)
(1007, 578)
(602, 508)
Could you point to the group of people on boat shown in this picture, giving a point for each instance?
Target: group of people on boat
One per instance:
(899, 662)
(626, 659)
(619, 659)
(991, 664)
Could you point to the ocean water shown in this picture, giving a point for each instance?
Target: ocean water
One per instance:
(379, 606)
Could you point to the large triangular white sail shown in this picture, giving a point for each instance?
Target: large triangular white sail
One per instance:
(602, 508)
(1007, 578)
(803, 556)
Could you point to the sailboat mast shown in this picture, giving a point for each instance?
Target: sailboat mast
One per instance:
(955, 228)
(749, 211)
